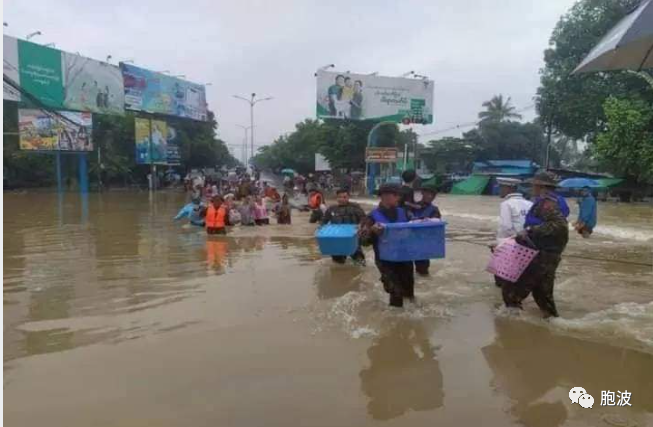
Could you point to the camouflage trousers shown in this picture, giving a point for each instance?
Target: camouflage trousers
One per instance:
(538, 279)
(398, 280)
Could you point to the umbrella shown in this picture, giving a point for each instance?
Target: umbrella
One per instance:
(628, 45)
(288, 171)
(578, 183)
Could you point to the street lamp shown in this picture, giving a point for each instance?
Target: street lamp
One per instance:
(108, 58)
(253, 101)
(35, 33)
(409, 73)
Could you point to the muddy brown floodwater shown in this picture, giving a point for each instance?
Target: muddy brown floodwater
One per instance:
(114, 315)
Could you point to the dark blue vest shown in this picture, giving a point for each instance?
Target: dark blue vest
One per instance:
(381, 219)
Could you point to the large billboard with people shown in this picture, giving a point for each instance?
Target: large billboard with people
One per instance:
(63, 131)
(91, 85)
(151, 143)
(371, 97)
(153, 92)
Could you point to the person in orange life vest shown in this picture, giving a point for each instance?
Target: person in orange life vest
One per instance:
(425, 209)
(216, 216)
(315, 201)
(398, 278)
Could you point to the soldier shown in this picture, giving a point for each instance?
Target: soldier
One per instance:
(426, 209)
(345, 212)
(397, 277)
(550, 237)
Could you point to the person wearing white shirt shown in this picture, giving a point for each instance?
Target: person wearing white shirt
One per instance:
(513, 210)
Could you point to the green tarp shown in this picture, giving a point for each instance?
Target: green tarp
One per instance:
(475, 184)
(609, 182)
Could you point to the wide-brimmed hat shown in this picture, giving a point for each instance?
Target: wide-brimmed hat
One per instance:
(509, 182)
(388, 188)
(545, 179)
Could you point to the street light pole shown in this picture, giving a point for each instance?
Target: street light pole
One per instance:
(244, 147)
(253, 101)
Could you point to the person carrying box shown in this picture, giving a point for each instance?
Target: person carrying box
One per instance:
(426, 210)
(397, 277)
(345, 212)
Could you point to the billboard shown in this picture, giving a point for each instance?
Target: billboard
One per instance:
(321, 163)
(173, 155)
(40, 72)
(151, 144)
(91, 85)
(47, 132)
(153, 92)
(366, 97)
(10, 68)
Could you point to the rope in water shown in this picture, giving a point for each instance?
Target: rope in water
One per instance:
(618, 261)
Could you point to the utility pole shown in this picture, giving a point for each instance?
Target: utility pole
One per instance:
(244, 147)
(252, 101)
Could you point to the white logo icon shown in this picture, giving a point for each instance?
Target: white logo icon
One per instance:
(575, 393)
(586, 401)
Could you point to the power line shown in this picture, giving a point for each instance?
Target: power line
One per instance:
(467, 124)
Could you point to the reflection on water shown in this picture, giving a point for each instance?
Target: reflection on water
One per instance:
(536, 368)
(403, 374)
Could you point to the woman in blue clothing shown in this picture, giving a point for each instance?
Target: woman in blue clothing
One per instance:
(586, 213)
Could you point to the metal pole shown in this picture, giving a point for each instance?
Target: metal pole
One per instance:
(99, 168)
(58, 170)
(251, 123)
(152, 170)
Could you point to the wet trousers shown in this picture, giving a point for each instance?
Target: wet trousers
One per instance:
(422, 267)
(538, 278)
(398, 280)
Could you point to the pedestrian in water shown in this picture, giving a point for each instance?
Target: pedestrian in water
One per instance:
(397, 277)
(426, 210)
(216, 216)
(531, 218)
(512, 214)
(586, 213)
(550, 237)
(345, 212)
(283, 211)
(261, 212)
(246, 210)
(315, 202)
(407, 199)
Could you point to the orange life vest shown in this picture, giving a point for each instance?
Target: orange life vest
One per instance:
(315, 201)
(215, 218)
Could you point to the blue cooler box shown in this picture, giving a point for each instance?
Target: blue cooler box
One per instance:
(412, 241)
(337, 239)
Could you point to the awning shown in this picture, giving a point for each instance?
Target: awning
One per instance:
(609, 182)
(473, 185)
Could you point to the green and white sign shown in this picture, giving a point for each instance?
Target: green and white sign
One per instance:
(40, 72)
(366, 97)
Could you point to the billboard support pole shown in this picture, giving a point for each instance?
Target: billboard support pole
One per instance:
(83, 173)
(152, 168)
(57, 158)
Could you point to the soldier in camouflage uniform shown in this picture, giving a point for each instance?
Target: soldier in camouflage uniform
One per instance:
(345, 212)
(550, 238)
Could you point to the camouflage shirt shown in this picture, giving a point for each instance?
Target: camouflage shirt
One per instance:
(552, 234)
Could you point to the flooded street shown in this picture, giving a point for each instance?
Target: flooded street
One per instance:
(117, 316)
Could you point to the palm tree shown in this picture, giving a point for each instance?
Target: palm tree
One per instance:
(496, 110)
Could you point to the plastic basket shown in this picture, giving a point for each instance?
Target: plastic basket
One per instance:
(337, 239)
(412, 241)
(510, 259)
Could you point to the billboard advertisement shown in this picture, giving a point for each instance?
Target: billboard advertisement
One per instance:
(367, 97)
(46, 132)
(91, 85)
(10, 68)
(153, 92)
(152, 141)
(173, 155)
(40, 72)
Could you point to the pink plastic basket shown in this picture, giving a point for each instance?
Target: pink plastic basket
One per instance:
(510, 259)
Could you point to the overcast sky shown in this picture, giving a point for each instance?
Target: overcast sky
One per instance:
(471, 49)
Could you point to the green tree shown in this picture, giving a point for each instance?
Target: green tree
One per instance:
(508, 141)
(498, 110)
(625, 146)
(449, 155)
(572, 104)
